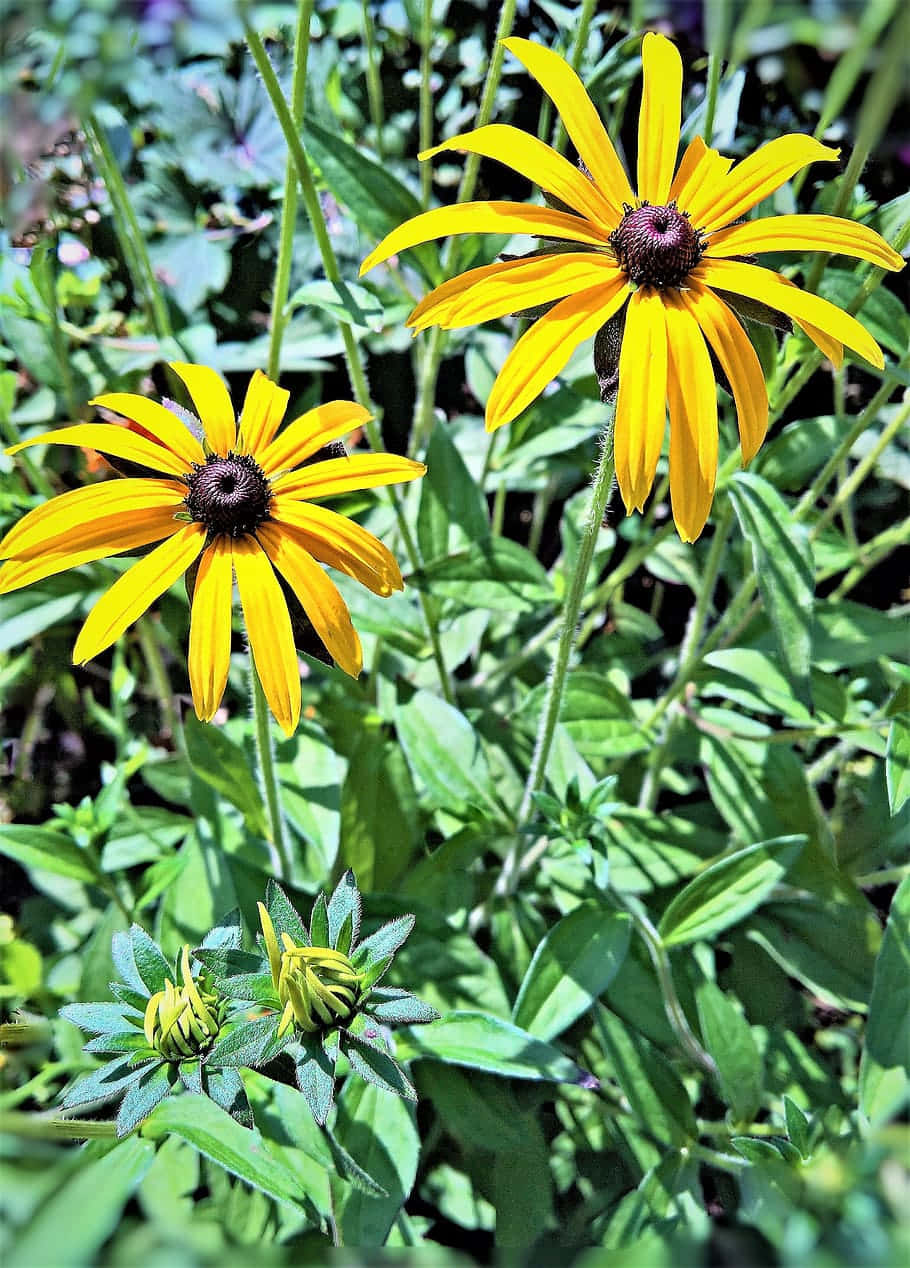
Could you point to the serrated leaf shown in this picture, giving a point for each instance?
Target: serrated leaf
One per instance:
(782, 559)
(45, 849)
(727, 891)
(572, 966)
(211, 1130)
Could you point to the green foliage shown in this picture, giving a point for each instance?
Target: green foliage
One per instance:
(654, 1006)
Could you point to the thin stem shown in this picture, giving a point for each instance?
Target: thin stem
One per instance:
(265, 752)
(374, 81)
(37, 1127)
(278, 318)
(862, 469)
(560, 136)
(131, 237)
(426, 100)
(333, 273)
(433, 347)
(717, 16)
(872, 553)
(660, 958)
(600, 493)
(161, 684)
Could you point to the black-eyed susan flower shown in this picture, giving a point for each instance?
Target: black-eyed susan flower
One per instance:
(233, 501)
(670, 256)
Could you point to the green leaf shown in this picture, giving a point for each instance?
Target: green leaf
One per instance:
(151, 965)
(225, 1087)
(348, 302)
(884, 1079)
(728, 891)
(478, 1109)
(597, 715)
(211, 1130)
(143, 1096)
(284, 914)
(80, 1216)
(344, 905)
(728, 1038)
(104, 1084)
(224, 766)
(249, 1043)
(897, 763)
(650, 1083)
(381, 1136)
(374, 955)
(797, 1127)
(750, 678)
(444, 753)
(375, 198)
(452, 511)
(494, 573)
(43, 848)
(394, 1007)
(98, 1019)
(847, 634)
(377, 830)
(572, 966)
(800, 937)
(376, 1066)
(487, 1043)
(319, 923)
(316, 1076)
(525, 1209)
(882, 313)
(782, 559)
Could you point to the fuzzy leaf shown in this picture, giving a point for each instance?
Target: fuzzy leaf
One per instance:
(103, 1084)
(249, 1043)
(98, 1019)
(376, 1066)
(284, 914)
(316, 1076)
(226, 1089)
(151, 965)
(143, 1096)
(344, 903)
(319, 923)
(399, 1008)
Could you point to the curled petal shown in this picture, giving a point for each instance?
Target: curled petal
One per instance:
(324, 606)
(804, 233)
(336, 540)
(263, 410)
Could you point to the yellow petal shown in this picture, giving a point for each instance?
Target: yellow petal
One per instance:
(692, 395)
(498, 289)
(641, 405)
(77, 512)
(160, 422)
(119, 441)
(210, 628)
(334, 539)
(659, 118)
(136, 590)
(268, 626)
(831, 348)
(804, 233)
(344, 475)
(541, 165)
(543, 350)
(213, 404)
(700, 169)
(754, 179)
(324, 606)
(302, 437)
(263, 410)
(485, 217)
(271, 943)
(579, 118)
(738, 360)
(771, 288)
(105, 537)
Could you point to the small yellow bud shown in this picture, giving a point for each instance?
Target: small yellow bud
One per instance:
(183, 1022)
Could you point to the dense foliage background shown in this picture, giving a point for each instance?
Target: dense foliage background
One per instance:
(709, 993)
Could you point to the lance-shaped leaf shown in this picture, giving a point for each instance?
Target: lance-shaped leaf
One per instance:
(376, 1066)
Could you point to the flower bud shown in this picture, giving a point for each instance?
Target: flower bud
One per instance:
(183, 1022)
(318, 986)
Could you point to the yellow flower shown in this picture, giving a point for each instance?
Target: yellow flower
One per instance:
(318, 986)
(671, 252)
(237, 503)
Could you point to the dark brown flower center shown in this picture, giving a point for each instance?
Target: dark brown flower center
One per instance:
(228, 495)
(656, 246)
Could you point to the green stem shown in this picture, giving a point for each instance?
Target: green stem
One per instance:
(262, 734)
(37, 1127)
(433, 347)
(333, 273)
(600, 493)
(426, 100)
(688, 652)
(872, 553)
(578, 51)
(717, 17)
(862, 469)
(282, 284)
(161, 684)
(660, 958)
(131, 237)
(374, 81)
